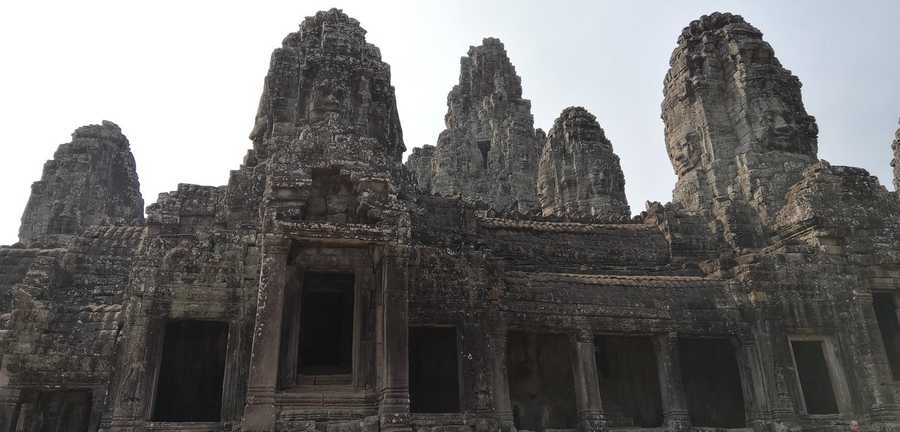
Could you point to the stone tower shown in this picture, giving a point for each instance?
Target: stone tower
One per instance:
(90, 181)
(579, 175)
(736, 130)
(489, 150)
(327, 123)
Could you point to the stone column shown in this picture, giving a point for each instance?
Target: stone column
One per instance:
(500, 384)
(877, 376)
(587, 385)
(674, 400)
(393, 409)
(753, 382)
(259, 411)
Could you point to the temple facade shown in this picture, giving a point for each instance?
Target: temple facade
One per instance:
(496, 281)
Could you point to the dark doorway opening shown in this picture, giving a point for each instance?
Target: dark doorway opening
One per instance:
(326, 324)
(886, 315)
(712, 383)
(189, 387)
(629, 381)
(484, 146)
(433, 370)
(53, 411)
(815, 380)
(541, 381)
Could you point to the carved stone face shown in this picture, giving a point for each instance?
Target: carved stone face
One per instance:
(328, 96)
(599, 180)
(684, 152)
(784, 129)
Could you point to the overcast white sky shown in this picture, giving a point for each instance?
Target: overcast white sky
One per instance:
(183, 78)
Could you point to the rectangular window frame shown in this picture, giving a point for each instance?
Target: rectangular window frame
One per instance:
(835, 373)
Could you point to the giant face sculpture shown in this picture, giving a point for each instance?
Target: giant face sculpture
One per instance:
(327, 96)
(684, 152)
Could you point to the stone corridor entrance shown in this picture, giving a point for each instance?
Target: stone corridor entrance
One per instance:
(541, 381)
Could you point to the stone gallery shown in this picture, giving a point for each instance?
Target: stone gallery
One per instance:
(495, 282)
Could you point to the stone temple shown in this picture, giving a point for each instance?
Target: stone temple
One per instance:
(496, 281)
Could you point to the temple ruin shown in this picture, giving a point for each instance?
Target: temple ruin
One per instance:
(496, 281)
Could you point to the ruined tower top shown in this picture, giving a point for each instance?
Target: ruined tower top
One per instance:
(333, 32)
(579, 175)
(91, 180)
(489, 150)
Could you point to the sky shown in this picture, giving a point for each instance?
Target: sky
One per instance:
(183, 78)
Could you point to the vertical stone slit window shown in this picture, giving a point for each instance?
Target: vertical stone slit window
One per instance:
(629, 381)
(192, 371)
(814, 377)
(433, 370)
(712, 383)
(484, 145)
(326, 324)
(886, 314)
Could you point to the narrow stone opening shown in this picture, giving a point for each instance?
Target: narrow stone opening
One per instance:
(52, 411)
(629, 381)
(189, 387)
(541, 381)
(712, 383)
(326, 324)
(484, 146)
(886, 314)
(815, 380)
(433, 370)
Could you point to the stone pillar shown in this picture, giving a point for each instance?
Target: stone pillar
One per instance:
(9, 401)
(500, 385)
(259, 411)
(393, 409)
(674, 400)
(587, 385)
(877, 376)
(753, 382)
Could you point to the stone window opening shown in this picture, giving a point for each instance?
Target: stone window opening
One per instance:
(189, 384)
(629, 381)
(821, 385)
(885, 305)
(712, 382)
(434, 384)
(326, 325)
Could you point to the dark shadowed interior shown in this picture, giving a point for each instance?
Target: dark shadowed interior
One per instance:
(541, 383)
(712, 382)
(629, 381)
(433, 370)
(815, 380)
(886, 314)
(326, 328)
(192, 370)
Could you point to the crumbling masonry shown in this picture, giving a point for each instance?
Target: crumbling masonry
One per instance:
(496, 281)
